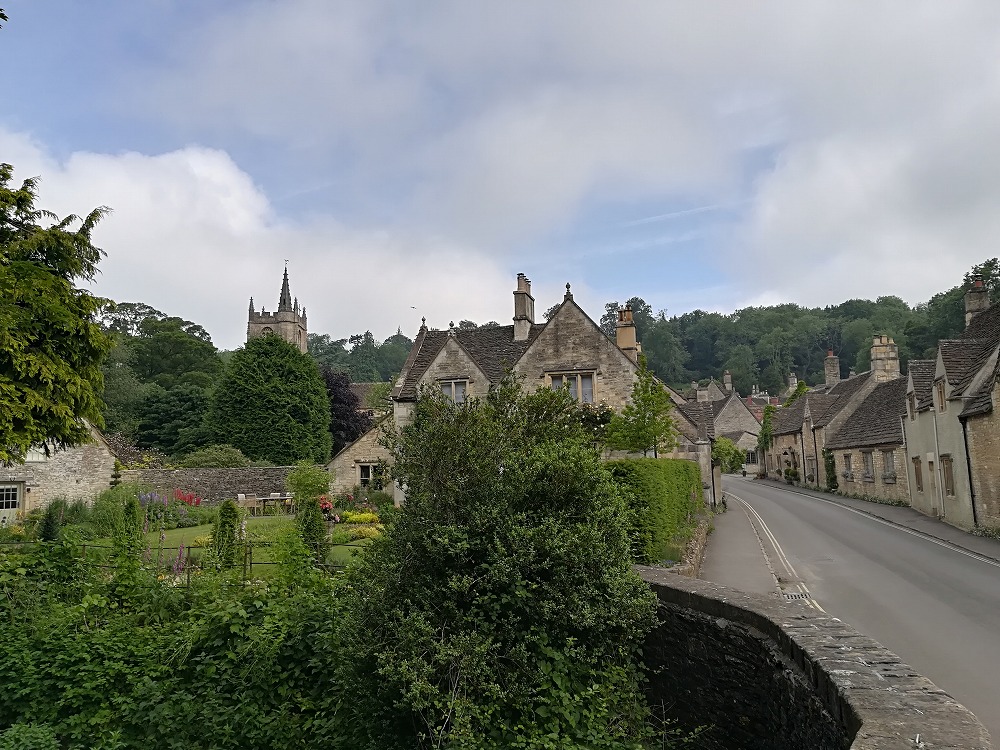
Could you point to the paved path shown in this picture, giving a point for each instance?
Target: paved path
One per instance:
(925, 590)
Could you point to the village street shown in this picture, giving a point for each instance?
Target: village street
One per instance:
(935, 605)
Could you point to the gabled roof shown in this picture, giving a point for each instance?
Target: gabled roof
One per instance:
(788, 419)
(966, 356)
(876, 421)
(921, 371)
(361, 391)
(492, 349)
(701, 415)
(845, 390)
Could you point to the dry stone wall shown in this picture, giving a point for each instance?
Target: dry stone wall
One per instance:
(212, 484)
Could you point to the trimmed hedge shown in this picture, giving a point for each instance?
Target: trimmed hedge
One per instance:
(665, 496)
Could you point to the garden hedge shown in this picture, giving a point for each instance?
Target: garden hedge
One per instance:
(666, 496)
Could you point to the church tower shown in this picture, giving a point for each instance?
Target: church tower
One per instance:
(288, 322)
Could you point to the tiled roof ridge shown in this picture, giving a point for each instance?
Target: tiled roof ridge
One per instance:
(876, 421)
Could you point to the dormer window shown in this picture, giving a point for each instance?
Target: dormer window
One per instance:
(942, 402)
(454, 389)
(579, 384)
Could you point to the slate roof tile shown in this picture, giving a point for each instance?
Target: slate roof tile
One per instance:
(922, 372)
(701, 415)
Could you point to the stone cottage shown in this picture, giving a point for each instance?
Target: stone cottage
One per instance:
(79, 473)
(569, 350)
(802, 429)
(952, 431)
(868, 449)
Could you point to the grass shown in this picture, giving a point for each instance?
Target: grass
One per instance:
(260, 529)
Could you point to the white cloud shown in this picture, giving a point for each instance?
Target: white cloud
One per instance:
(190, 234)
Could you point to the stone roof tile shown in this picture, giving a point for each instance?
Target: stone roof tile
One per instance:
(702, 416)
(876, 421)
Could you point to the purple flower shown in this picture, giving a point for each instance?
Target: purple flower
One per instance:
(178, 566)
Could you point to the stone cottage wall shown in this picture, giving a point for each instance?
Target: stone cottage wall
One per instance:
(876, 487)
(212, 484)
(768, 675)
(984, 450)
(364, 450)
(80, 473)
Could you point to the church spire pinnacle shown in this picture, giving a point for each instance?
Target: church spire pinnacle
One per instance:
(285, 301)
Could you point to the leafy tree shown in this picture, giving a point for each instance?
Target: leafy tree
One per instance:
(215, 456)
(174, 351)
(391, 355)
(363, 358)
(552, 311)
(645, 423)
(329, 352)
(124, 392)
(272, 405)
(379, 398)
(127, 317)
(308, 481)
(726, 454)
(348, 419)
(173, 421)
(508, 566)
(51, 346)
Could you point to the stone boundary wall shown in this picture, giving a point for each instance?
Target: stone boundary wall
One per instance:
(214, 485)
(694, 552)
(770, 675)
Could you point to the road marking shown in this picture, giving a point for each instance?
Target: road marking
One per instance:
(793, 577)
(898, 527)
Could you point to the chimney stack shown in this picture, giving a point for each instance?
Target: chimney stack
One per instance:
(727, 381)
(702, 394)
(625, 333)
(524, 308)
(885, 358)
(977, 299)
(793, 381)
(831, 368)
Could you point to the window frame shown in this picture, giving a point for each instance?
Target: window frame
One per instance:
(889, 467)
(374, 479)
(10, 496)
(918, 473)
(578, 376)
(942, 401)
(848, 470)
(450, 384)
(868, 466)
(948, 474)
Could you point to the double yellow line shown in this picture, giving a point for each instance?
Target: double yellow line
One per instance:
(800, 592)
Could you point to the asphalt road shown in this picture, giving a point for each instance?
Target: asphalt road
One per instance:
(938, 608)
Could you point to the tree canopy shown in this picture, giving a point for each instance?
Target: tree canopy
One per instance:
(272, 404)
(51, 346)
(645, 423)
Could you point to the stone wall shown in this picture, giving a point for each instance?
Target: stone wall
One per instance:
(364, 450)
(572, 342)
(984, 451)
(80, 473)
(769, 675)
(213, 484)
(876, 487)
(453, 363)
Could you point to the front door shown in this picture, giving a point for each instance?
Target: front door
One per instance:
(10, 502)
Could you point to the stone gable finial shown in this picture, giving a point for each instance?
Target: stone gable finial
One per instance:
(569, 294)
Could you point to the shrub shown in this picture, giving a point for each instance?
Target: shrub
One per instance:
(665, 496)
(29, 737)
(312, 528)
(364, 532)
(107, 513)
(502, 611)
(215, 456)
(307, 482)
(48, 529)
(224, 539)
(359, 517)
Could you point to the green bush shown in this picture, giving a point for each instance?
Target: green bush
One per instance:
(312, 528)
(224, 535)
(29, 737)
(665, 496)
(359, 517)
(107, 515)
(364, 532)
(215, 456)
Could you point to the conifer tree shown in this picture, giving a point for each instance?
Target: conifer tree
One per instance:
(272, 404)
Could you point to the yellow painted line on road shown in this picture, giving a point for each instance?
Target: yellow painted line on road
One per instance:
(752, 514)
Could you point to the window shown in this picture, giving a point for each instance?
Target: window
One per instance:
(266, 330)
(848, 474)
(869, 460)
(948, 470)
(580, 385)
(918, 477)
(888, 467)
(942, 402)
(751, 457)
(911, 401)
(454, 389)
(370, 475)
(8, 497)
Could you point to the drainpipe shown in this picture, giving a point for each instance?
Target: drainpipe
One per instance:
(968, 468)
(937, 465)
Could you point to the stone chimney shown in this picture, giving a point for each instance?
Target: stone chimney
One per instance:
(727, 381)
(793, 381)
(625, 333)
(885, 358)
(977, 299)
(831, 368)
(703, 394)
(524, 308)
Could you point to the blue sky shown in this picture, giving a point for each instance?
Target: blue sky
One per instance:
(410, 159)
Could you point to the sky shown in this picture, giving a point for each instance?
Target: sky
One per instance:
(408, 160)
